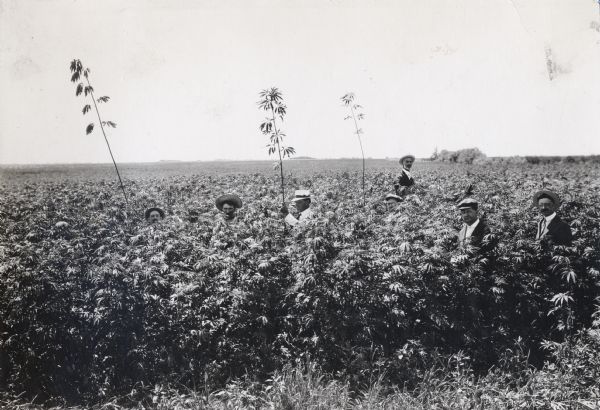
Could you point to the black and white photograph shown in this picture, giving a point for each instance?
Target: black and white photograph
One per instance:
(299, 204)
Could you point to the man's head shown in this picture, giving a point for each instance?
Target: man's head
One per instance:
(301, 199)
(228, 204)
(302, 204)
(154, 215)
(407, 161)
(468, 210)
(229, 210)
(547, 202)
(392, 201)
(546, 206)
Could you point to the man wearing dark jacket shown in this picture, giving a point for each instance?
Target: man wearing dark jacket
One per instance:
(405, 179)
(474, 229)
(550, 227)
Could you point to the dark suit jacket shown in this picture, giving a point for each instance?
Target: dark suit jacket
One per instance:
(477, 236)
(404, 180)
(559, 232)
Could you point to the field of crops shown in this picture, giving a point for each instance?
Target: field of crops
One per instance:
(363, 303)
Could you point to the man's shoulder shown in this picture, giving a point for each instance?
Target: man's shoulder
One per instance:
(558, 223)
(482, 227)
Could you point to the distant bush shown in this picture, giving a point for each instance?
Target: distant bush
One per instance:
(570, 159)
(462, 156)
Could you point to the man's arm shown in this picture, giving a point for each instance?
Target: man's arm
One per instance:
(289, 218)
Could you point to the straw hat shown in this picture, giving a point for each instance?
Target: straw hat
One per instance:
(468, 203)
(150, 210)
(301, 194)
(228, 198)
(406, 157)
(544, 193)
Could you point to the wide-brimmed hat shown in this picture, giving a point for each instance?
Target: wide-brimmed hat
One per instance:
(301, 194)
(392, 196)
(228, 198)
(150, 210)
(468, 203)
(544, 193)
(401, 160)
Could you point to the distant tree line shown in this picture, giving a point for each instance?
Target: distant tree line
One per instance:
(474, 155)
(463, 156)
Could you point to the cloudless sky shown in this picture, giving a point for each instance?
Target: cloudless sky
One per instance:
(184, 77)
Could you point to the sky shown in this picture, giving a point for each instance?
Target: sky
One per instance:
(511, 77)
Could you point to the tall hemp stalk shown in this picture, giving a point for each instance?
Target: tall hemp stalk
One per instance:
(271, 101)
(78, 71)
(356, 116)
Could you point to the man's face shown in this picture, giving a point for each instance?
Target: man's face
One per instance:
(302, 204)
(408, 163)
(154, 217)
(546, 206)
(229, 211)
(468, 215)
(391, 204)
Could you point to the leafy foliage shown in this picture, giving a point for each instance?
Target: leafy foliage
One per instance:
(97, 304)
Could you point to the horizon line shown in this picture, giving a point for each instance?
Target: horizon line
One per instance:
(303, 158)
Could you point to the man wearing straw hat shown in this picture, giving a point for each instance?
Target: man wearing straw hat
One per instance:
(550, 227)
(405, 180)
(302, 202)
(228, 204)
(474, 228)
(154, 215)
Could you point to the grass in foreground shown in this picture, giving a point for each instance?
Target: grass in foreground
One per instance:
(558, 385)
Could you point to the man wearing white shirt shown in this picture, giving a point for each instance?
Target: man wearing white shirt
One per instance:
(473, 229)
(302, 202)
(550, 227)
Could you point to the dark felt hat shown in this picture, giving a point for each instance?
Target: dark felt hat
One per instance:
(228, 198)
(149, 211)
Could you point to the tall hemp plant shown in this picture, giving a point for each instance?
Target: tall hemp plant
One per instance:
(78, 74)
(356, 116)
(271, 101)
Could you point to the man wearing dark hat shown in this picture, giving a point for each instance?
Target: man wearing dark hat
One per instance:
(302, 202)
(474, 229)
(550, 227)
(405, 179)
(154, 215)
(228, 204)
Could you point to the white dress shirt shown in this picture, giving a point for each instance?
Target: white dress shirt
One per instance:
(467, 231)
(543, 225)
(471, 228)
(303, 217)
(407, 172)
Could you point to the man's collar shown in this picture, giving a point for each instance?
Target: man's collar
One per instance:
(474, 224)
(549, 218)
